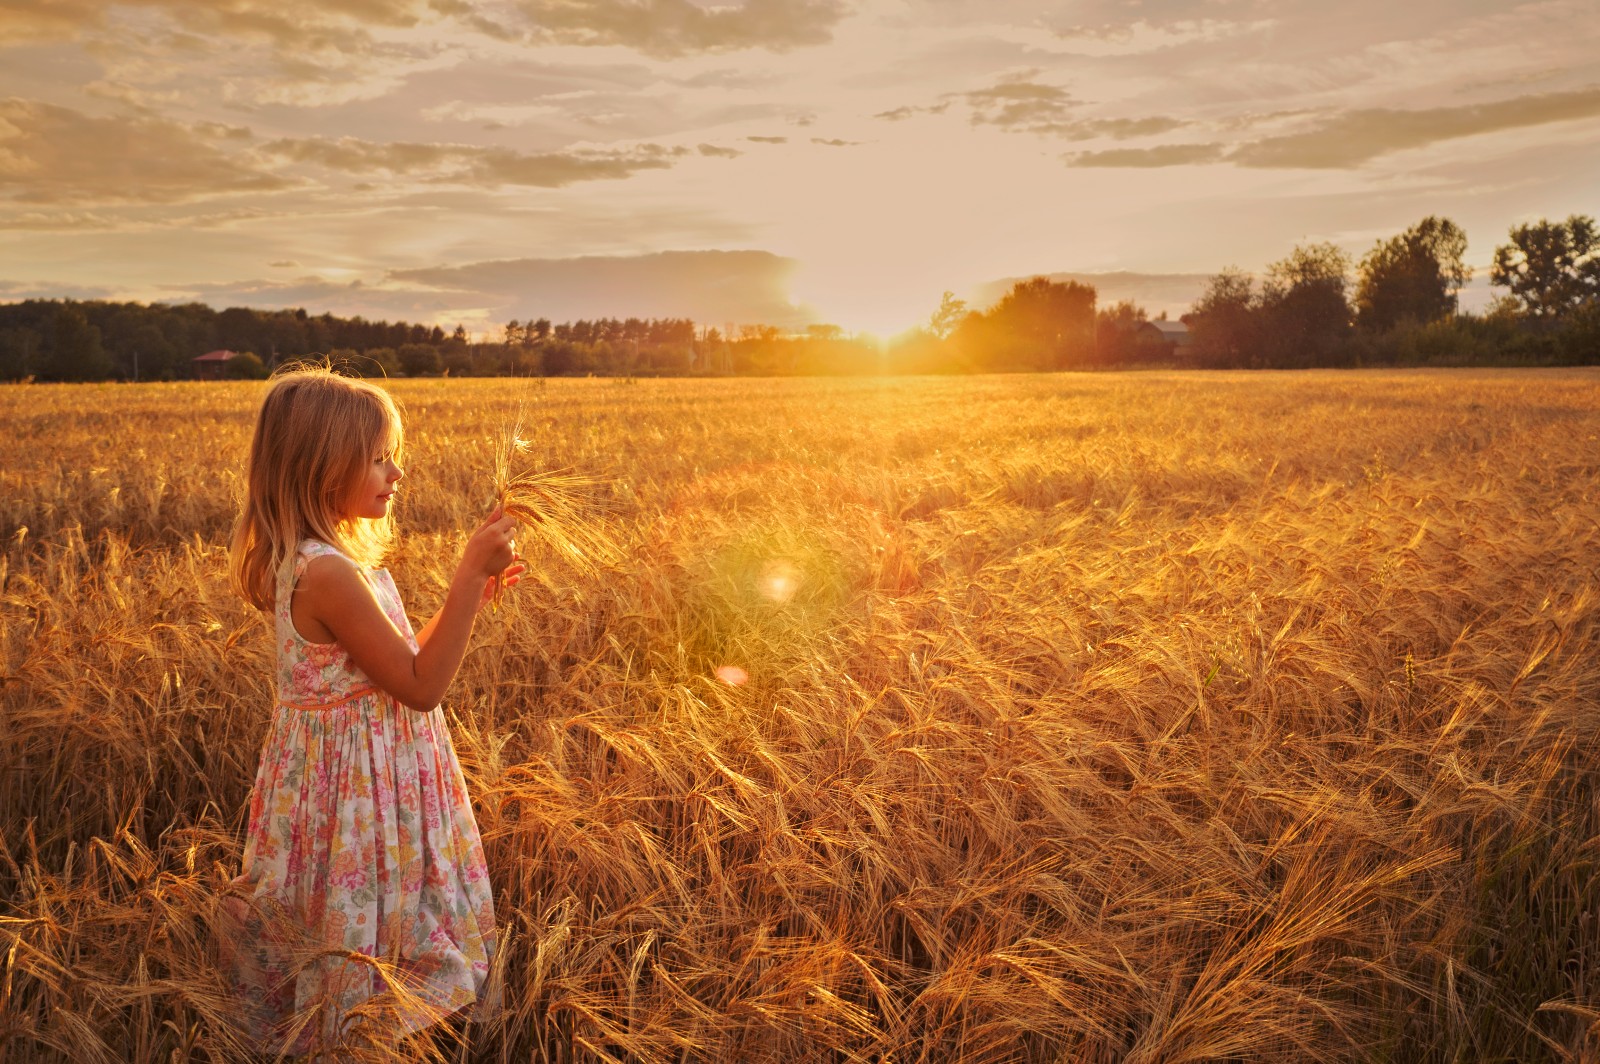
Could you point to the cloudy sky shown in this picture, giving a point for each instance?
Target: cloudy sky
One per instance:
(780, 161)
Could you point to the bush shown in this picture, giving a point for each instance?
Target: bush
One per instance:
(245, 367)
(1578, 342)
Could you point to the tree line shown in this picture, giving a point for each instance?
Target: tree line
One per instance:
(1399, 304)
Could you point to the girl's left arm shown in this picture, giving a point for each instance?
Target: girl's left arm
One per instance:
(509, 579)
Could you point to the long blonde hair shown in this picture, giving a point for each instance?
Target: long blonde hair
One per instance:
(314, 436)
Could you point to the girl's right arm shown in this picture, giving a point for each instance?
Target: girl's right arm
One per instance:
(333, 592)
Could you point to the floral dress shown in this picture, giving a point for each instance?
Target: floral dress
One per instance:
(364, 894)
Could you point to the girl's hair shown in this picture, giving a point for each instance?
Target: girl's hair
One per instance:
(314, 436)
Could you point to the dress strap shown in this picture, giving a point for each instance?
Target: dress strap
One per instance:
(308, 549)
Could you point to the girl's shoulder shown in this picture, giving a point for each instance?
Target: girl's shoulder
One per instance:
(297, 567)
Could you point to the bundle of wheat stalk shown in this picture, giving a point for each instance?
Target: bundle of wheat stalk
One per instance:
(558, 507)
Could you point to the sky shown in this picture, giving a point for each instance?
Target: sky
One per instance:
(774, 161)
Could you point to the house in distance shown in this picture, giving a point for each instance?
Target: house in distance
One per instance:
(1169, 338)
(213, 365)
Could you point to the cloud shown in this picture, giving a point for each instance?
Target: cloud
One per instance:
(835, 142)
(154, 54)
(769, 140)
(1347, 140)
(287, 23)
(19, 290)
(668, 28)
(1142, 35)
(57, 221)
(55, 155)
(27, 21)
(1119, 128)
(318, 295)
(900, 114)
(298, 29)
(725, 153)
(1021, 106)
(1164, 155)
(1352, 138)
(470, 165)
(708, 286)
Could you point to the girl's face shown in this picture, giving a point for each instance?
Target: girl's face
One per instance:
(375, 486)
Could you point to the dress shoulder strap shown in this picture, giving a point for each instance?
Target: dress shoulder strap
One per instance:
(294, 566)
(315, 548)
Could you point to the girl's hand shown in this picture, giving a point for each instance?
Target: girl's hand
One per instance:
(491, 550)
(510, 578)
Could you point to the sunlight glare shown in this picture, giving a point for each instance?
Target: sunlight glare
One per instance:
(780, 579)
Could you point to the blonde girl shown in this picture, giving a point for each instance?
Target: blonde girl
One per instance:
(363, 902)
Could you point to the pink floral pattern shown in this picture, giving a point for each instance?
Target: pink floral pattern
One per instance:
(361, 848)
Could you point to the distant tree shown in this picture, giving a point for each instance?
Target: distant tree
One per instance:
(513, 331)
(72, 350)
(560, 357)
(1041, 324)
(1225, 321)
(19, 352)
(418, 360)
(381, 362)
(1550, 267)
(527, 360)
(1116, 332)
(948, 316)
(1307, 312)
(1412, 277)
(540, 330)
(147, 349)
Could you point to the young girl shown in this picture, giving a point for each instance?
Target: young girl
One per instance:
(363, 894)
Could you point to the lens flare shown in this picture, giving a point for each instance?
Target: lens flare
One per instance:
(779, 580)
(731, 675)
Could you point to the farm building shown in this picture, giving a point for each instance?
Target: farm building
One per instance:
(1172, 336)
(213, 365)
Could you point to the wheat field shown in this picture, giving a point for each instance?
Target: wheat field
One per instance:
(1108, 717)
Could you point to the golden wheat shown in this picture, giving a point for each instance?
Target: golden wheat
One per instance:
(1148, 717)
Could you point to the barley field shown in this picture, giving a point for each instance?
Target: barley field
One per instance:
(1106, 717)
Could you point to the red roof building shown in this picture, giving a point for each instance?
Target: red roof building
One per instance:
(212, 365)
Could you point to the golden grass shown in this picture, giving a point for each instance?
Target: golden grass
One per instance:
(1106, 718)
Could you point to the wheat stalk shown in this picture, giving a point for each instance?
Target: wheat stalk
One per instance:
(558, 507)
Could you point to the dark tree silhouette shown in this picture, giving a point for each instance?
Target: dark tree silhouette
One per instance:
(1550, 267)
(1306, 312)
(1414, 276)
(1225, 321)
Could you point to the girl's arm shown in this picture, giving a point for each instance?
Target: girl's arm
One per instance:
(332, 592)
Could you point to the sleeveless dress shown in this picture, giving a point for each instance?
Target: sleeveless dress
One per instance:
(363, 896)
